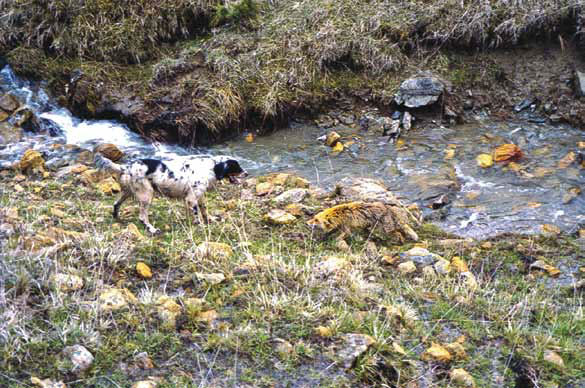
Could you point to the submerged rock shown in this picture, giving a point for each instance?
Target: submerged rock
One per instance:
(419, 91)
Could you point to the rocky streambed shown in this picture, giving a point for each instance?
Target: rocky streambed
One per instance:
(436, 164)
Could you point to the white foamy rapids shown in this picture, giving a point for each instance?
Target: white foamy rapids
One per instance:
(84, 132)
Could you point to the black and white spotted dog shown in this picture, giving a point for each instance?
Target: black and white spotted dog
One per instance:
(186, 178)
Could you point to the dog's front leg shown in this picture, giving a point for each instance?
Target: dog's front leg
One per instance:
(144, 197)
(197, 207)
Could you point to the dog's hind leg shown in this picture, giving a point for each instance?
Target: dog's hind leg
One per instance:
(125, 195)
(144, 195)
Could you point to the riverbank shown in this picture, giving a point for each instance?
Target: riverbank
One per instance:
(248, 301)
(199, 75)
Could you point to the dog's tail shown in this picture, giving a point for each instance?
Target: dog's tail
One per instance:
(103, 163)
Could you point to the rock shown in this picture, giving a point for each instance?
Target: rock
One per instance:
(279, 217)
(419, 91)
(571, 194)
(10, 134)
(442, 267)
(579, 83)
(115, 299)
(354, 345)
(283, 347)
(143, 270)
(133, 232)
(213, 250)
(168, 310)
(407, 267)
(507, 152)
(9, 103)
(550, 230)
(85, 156)
(47, 383)
(296, 210)
(420, 256)
(109, 186)
(264, 188)
(553, 358)
(143, 361)
(484, 160)
(436, 353)
(461, 378)
(93, 176)
(324, 332)
(541, 265)
(211, 278)
(25, 118)
(365, 189)
(67, 282)
(80, 357)
(332, 138)
(152, 382)
(73, 169)
(110, 151)
(456, 348)
(207, 317)
(32, 161)
(38, 241)
(330, 266)
(459, 265)
(567, 160)
(291, 196)
(524, 104)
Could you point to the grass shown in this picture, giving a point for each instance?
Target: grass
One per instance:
(272, 293)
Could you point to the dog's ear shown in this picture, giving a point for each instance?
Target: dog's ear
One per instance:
(220, 170)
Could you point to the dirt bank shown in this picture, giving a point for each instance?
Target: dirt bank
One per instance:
(197, 75)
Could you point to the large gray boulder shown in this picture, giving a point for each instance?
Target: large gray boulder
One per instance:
(419, 91)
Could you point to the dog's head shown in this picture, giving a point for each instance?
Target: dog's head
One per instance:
(230, 169)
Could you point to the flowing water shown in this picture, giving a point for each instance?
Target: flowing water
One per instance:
(482, 201)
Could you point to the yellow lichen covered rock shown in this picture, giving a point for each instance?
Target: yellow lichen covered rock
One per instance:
(385, 219)
(32, 161)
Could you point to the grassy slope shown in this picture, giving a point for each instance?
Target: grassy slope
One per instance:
(508, 323)
(262, 59)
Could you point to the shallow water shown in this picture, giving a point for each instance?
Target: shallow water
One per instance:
(484, 202)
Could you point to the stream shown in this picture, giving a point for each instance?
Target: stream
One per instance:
(481, 202)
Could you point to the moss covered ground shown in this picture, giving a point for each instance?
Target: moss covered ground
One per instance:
(275, 319)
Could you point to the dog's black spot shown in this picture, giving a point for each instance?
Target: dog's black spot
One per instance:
(153, 164)
(228, 167)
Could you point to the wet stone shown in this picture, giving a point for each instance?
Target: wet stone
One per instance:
(419, 91)
(9, 103)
